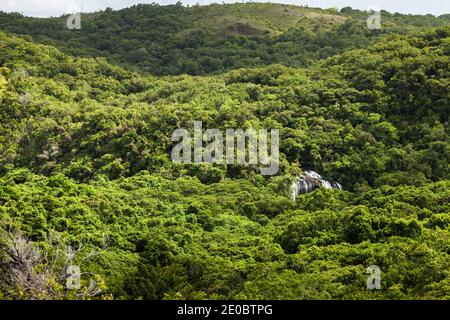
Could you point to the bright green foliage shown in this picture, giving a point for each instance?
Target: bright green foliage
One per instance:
(199, 40)
(85, 155)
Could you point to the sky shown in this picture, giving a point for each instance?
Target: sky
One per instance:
(47, 8)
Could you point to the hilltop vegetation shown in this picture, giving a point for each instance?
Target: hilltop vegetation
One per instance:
(85, 160)
(198, 40)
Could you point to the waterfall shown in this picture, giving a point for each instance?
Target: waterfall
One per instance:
(309, 181)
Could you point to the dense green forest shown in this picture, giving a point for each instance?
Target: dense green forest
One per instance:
(86, 118)
(200, 40)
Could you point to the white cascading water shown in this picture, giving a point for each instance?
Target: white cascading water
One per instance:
(309, 181)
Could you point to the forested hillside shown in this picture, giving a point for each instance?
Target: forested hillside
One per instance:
(85, 155)
(169, 40)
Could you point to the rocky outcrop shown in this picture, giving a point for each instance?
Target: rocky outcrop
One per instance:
(309, 181)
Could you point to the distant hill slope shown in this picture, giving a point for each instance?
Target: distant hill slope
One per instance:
(170, 40)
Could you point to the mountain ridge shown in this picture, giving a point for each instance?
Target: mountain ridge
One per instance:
(199, 40)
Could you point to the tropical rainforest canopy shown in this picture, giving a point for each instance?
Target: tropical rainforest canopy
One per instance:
(86, 118)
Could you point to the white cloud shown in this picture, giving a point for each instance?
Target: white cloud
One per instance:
(41, 8)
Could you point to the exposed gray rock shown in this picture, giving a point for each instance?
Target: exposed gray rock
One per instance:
(309, 181)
